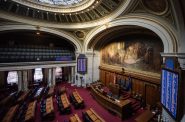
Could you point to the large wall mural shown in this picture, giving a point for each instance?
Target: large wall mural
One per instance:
(135, 53)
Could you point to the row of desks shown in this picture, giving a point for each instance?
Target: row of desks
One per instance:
(10, 114)
(74, 118)
(94, 116)
(49, 105)
(30, 112)
(77, 97)
(65, 100)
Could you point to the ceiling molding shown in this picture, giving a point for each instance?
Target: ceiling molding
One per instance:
(104, 12)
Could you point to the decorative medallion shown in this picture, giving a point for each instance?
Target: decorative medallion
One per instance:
(156, 6)
(79, 34)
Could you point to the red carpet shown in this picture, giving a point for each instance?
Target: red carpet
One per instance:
(89, 102)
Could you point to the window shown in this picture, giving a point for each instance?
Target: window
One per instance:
(12, 77)
(58, 73)
(38, 75)
(61, 2)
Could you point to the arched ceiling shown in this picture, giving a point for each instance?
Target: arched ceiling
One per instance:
(85, 11)
(31, 37)
(105, 37)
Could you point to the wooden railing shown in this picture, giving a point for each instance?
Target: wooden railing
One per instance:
(120, 107)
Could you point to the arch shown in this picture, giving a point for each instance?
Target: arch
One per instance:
(122, 9)
(164, 31)
(75, 41)
(38, 75)
(12, 77)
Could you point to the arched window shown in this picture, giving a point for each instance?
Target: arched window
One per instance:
(12, 77)
(58, 73)
(38, 75)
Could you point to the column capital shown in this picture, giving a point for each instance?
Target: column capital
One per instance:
(179, 56)
(182, 63)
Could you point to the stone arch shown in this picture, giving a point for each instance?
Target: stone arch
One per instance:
(71, 38)
(164, 31)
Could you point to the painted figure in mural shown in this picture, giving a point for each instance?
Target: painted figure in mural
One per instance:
(137, 54)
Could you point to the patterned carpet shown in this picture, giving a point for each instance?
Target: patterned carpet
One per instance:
(89, 103)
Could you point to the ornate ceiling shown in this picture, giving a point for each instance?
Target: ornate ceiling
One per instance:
(84, 11)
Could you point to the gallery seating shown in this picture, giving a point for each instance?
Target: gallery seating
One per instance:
(91, 116)
(10, 114)
(27, 53)
(47, 109)
(30, 112)
(74, 118)
(63, 104)
(76, 99)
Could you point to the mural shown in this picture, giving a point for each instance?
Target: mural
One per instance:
(139, 54)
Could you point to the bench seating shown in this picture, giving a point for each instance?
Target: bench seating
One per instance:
(74, 118)
(91, 116)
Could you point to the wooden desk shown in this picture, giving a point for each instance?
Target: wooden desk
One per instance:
(94, 116)
(145, 117)
(121, 108)
(49, 105)
(65, 100)
(30, 112)
(77, 97)
(10, 114)
(74, 118)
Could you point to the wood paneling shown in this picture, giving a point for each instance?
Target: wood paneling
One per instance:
(148, 87)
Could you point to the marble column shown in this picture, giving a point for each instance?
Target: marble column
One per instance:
(72, 75)
(20, 80)
(49, 76)
(25, 80)
(53, 77)
(69, 74)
